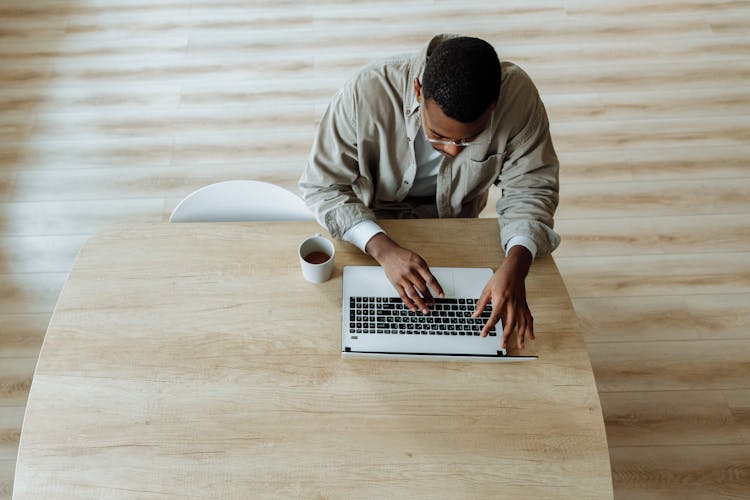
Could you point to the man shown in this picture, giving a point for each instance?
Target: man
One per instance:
(427, 136)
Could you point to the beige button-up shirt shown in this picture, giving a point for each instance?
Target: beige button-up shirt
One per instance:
(362, 164)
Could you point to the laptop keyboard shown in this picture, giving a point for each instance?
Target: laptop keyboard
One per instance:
(389, 315)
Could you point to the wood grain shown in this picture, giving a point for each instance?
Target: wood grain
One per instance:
(15, 380)
(22, 334)
(653, 235)
(669, 418)
(657, 275)
(139, 182)
(144, 332)
(30, 293)
(7, 470)
(654, 163)
(7, 179)
(115, 110)
(702, 472)
(739, 404)
(11, 418)
(74, 217)
(677, 365)
(644, 198)
(39, 254)
(715, 317)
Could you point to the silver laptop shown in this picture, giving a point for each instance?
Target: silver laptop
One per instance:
(377, 324)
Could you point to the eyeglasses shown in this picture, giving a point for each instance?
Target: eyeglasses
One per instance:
(460, 143)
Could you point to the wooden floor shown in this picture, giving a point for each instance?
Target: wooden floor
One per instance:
(113, 110)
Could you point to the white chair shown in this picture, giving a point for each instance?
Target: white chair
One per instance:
(233, 201)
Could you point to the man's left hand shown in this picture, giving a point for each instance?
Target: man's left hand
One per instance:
(506, 290)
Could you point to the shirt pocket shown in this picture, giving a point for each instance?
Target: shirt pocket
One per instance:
(479, 176)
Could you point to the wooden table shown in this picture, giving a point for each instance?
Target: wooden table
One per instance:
(192, 360)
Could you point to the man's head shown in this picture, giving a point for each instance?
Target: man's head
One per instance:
(459, 89)
(462, 76)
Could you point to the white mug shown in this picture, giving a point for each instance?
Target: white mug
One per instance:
(316, 255)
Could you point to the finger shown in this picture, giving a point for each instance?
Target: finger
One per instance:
(405, 298)
(530, 326)
(416, 298)
(521, 324)
(510, 324)
(484, 299)
(490, 324)
(432, 282)
(422, 288)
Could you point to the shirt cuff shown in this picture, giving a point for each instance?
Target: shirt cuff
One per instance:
(360, 234)
(524, 241)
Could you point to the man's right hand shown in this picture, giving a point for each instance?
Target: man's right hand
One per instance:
(407, 271)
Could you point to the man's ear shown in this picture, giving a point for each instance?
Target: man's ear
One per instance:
(417, 88)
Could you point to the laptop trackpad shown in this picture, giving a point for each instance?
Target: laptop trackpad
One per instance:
(447, 282)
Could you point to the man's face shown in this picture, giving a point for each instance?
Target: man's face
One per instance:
(440, 127)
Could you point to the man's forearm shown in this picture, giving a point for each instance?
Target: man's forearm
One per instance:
(519, 259)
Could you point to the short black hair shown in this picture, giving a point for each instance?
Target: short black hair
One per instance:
(462, 76)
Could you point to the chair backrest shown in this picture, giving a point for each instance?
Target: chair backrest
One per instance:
(233, 201)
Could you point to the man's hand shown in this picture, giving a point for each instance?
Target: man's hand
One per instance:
(507, 292)
(407, 271)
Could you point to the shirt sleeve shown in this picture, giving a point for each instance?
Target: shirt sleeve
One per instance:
(327, 181)
(530, 181)
(523, 241)
(360, 234)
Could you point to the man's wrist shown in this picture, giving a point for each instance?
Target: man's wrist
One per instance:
(519, 258)
(378, 246)
(361, 233)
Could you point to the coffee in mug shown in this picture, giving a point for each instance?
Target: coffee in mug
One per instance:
(316, 255)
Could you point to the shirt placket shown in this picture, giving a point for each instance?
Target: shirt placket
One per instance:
(443, 188)
(412, 126)
(410, 173)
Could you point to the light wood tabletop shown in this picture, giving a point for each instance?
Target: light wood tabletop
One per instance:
(193, 360)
